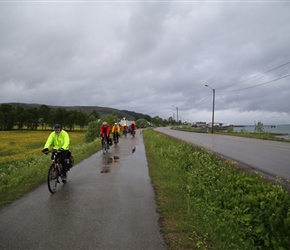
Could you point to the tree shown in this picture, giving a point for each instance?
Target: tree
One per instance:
(1, 120)
(93, 131)
(44, 115)
(148, 118)
(259, 127)
(95, 114)
(9, 116)
(94, 126)
(70, 119)
(20, 114)
(171, 121)
(32, 118)
(142, 123)
(110, 119)
(92, 118)
(81, 119)
(157, 121)
(60, 116)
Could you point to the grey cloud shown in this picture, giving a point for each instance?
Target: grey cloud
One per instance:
(148, 56)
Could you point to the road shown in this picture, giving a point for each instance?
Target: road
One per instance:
(271, 158)
(104, 205)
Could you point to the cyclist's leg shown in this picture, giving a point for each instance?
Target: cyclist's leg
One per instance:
(108, 141)
(67, 159)
(63, 162)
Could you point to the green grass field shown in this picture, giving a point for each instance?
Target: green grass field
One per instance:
(22, 164)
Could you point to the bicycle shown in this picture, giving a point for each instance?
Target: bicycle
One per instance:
(125, 133)
(55, 172)
(133, 132)
(105, 146)
(115, 138)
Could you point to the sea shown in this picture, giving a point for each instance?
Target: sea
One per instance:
(283, 129)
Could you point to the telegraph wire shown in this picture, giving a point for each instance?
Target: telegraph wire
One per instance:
(255, 76)
(258, 84)
(201, 101)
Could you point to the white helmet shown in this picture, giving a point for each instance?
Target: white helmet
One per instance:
(104, 123)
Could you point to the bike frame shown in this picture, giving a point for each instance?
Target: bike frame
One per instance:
(115, 138)
(104, 145)
(54, 172)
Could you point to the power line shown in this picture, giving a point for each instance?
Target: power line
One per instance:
(255, 76)
(258, 84)
(197, 103)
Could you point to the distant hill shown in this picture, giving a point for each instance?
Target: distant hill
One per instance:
(130, 115)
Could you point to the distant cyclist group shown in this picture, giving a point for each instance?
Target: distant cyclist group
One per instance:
(105, 132)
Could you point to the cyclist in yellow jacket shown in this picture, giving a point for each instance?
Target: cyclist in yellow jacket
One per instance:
(116, 131)
(59, 140)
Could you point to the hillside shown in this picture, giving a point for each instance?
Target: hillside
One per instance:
(130, 115)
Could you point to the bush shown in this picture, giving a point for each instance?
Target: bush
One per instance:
(93, 131)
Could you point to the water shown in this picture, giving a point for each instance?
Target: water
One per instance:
(279, 129)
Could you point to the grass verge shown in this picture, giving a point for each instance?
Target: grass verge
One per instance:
(206, 203)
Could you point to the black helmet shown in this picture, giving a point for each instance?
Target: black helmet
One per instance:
(57, 127)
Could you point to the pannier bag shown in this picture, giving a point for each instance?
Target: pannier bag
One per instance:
(69, 159)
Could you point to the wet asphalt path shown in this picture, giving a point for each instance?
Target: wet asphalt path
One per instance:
(271, 158)
(105, 205)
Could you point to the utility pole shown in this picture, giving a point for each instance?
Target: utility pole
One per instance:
(177, 114)
(213, 102)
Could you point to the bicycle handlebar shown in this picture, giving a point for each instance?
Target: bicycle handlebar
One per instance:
(52, 151)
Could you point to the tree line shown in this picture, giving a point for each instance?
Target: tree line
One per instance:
(31, 118)
(18, 117)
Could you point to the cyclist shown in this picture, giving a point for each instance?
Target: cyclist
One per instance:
(133, 128)
(116, 131)
(125, 130)
(105, 132)
(59, 140)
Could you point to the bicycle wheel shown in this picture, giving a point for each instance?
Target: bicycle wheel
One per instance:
(105, 147)
(52, 178)
(115, 140)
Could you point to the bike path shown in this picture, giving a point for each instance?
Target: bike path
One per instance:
(104, 205)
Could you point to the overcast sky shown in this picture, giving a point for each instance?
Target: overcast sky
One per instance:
(152, 57)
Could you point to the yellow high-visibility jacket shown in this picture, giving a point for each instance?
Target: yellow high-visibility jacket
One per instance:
(58, 141)
(116, 128)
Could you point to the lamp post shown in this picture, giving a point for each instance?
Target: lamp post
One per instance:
(176, 114)
(213, 101)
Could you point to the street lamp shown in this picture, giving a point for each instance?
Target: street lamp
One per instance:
(213, 101)
(176, 114)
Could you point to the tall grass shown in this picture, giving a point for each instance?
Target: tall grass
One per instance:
(22, 164)
(206, 203)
